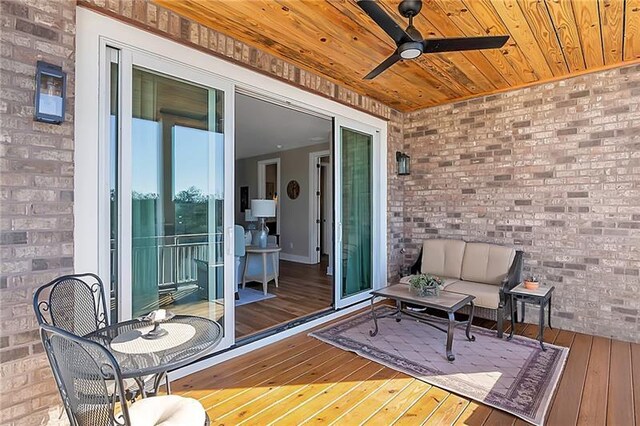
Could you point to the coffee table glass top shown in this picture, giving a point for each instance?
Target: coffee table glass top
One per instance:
(541, 291)
(444, 300)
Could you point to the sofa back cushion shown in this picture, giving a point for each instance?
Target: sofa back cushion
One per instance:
(442, 257)
(486, 263)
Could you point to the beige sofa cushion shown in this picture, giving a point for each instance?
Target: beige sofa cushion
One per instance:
(486, 263)
(442, 257)
(487, 295)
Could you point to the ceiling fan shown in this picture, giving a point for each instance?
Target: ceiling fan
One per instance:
(409, 41)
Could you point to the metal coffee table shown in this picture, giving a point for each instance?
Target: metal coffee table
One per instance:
(446, 301)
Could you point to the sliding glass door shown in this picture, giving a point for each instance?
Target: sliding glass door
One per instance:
(355, 274)
(171, 221)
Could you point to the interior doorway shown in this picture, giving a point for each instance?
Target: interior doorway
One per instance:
(321, 207)
(269, 189)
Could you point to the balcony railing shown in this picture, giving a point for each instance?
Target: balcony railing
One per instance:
(174, 256)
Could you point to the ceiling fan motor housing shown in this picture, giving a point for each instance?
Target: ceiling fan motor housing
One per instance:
(410, 8)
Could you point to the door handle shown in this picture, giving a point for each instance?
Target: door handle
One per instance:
(231, 236)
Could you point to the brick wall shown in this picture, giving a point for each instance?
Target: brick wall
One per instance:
(553, 170)
(36, 196)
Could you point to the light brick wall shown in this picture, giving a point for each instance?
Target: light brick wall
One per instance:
(36, 195)
(553, 170)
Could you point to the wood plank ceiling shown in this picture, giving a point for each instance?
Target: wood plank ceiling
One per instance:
(549, 39)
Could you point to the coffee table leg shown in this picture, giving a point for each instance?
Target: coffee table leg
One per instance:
(469, 321)
(399, 313)
(373, 332)
(549, 314)
(450, 330)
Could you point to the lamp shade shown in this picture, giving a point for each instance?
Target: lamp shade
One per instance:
(248, 216)
(263, 208)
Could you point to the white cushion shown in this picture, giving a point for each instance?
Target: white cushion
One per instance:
(442, 258)
(487, 295)
(167, 410)
(486, 263)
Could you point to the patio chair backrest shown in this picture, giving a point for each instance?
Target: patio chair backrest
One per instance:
(73, 303)
(84, 371)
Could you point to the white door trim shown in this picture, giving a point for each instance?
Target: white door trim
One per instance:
(262, 179)
(314, 205)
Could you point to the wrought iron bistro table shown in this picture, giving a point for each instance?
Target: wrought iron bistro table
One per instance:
(446, 301)
(540, 296)
(188, 338)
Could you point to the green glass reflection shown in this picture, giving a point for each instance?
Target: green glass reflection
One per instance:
(357, 151)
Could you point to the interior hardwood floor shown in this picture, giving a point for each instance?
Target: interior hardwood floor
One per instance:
(302, 290)
(301, 380)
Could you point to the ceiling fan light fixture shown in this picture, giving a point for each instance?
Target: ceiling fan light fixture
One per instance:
(410, 50)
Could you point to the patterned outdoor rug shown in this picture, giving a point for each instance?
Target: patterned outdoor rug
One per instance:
(514, 376)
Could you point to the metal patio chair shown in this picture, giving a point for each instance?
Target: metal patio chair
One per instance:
(73, 303)
(84, 371)
(77, 304)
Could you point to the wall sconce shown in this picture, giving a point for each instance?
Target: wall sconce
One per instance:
(403, 163)
(51, 89)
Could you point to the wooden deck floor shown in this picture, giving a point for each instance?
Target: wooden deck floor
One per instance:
(302, 380)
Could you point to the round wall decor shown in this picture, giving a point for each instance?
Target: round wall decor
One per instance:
(293, 189)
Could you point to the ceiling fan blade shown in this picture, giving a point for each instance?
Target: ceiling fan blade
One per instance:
(383, 66)
(384, 21)
(436, 45)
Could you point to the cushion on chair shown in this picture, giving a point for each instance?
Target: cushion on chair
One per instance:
(487, 295)
(167, 410)
(443, 257)
(486, 263)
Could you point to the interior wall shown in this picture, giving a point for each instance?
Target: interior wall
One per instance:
(294, 220)
(553, 170)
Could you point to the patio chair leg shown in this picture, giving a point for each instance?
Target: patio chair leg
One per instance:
(500, 325)
(168, 383)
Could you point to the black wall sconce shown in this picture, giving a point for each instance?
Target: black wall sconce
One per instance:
(403, 163)
(51, 89)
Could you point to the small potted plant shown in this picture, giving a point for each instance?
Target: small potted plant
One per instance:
(531, 283)
(425, 285)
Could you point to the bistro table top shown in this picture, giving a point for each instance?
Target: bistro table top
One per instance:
(188, 339)
(446, 300)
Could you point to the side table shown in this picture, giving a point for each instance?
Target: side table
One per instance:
(540, 296)
(255, 250)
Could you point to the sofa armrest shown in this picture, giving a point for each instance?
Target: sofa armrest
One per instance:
(417, 267)
(514, 276)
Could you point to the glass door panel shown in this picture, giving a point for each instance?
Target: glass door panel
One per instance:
(355, 173)
(177, 196)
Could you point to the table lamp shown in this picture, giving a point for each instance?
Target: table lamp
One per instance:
(263, 209)
(250, 219)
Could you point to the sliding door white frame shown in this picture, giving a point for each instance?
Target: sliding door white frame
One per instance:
(378, 215)
(93, 31)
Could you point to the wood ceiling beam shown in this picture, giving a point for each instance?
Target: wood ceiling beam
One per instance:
(493, 25)
(632, 30)
(518, 26)
(588, 22)
(564, 22)
(611, 20)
